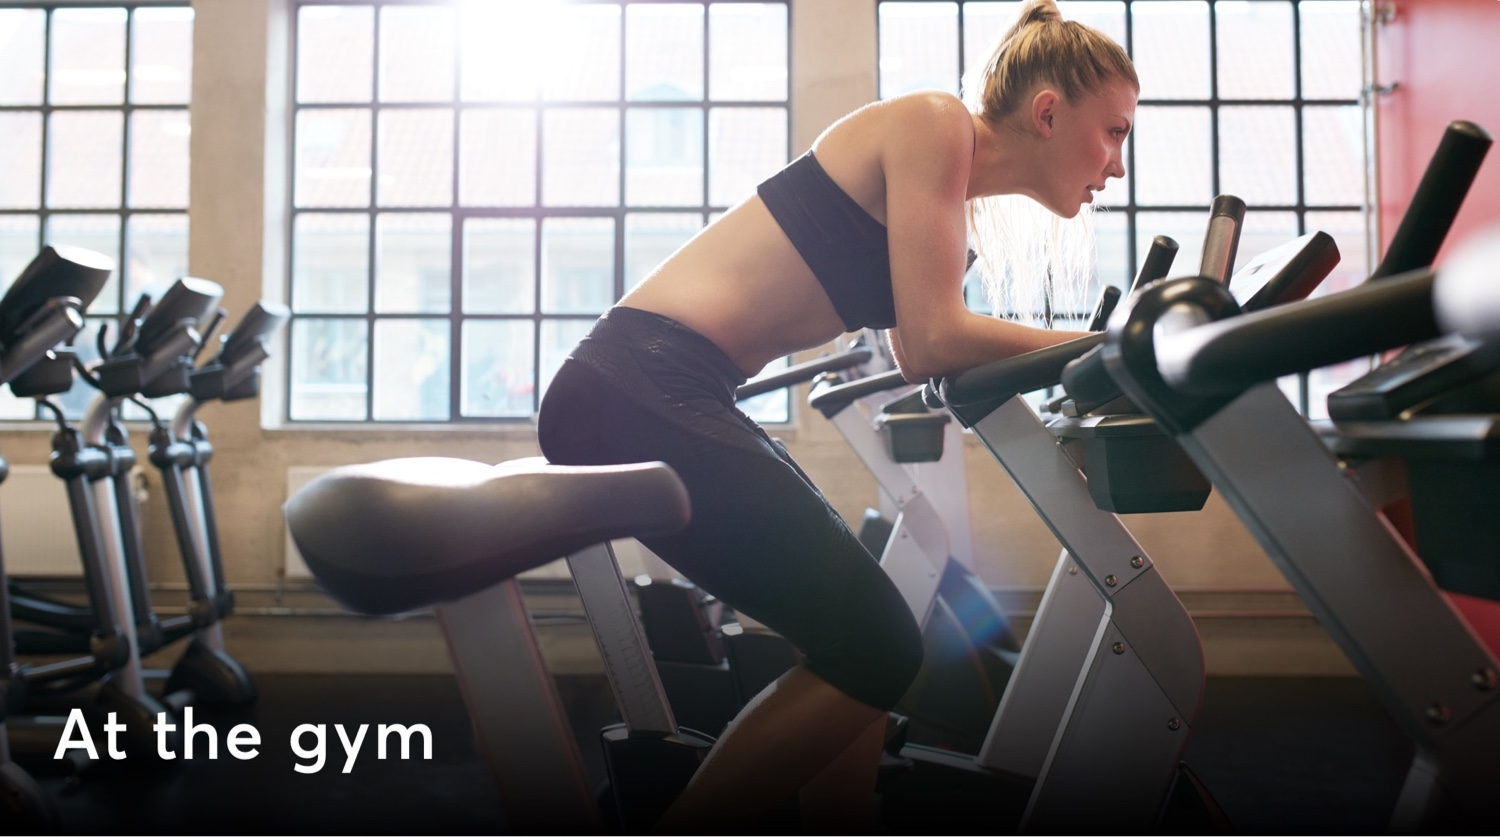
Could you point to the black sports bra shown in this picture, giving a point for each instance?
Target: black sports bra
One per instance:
(844, 245)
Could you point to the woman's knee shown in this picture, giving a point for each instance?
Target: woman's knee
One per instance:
(875, 660)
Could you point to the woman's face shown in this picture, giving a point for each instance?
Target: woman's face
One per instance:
(1087, 146)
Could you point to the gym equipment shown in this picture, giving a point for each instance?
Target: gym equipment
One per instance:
(44, 307)
(408, 533)
(181, 451)
(1359, 578)
(1110, 647)
(204, 671)
(152, 357)
(970, 651)
(1208, 377)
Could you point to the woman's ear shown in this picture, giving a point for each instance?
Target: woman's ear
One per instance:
(1043, 109)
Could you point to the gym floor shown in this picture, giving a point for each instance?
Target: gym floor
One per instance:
(1281, 755)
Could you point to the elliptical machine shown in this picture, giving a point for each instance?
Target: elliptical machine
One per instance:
(181, 451)
(151, 358)
(43, 308)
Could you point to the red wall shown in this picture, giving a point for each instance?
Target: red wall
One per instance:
(1444, 56)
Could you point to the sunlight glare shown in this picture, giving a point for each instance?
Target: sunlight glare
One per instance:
(508, 47)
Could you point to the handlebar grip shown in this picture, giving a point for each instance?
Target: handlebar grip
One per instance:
(1435, 204)
(1088, 382)
(1109, 297)
(1225, 220)
(1158, 261)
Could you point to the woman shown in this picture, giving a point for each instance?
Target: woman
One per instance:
(866, 230)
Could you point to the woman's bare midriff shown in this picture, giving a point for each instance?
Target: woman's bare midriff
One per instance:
(741, 284)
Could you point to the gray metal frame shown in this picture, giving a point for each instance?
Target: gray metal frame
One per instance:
(514, 703)
(1369, 590)
(1133, 689)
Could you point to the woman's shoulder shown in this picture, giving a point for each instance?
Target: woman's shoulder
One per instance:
(928, 120)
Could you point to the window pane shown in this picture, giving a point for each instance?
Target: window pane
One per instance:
(1258, 154)
(747, 51)
(411, 370)
(983, 24)
(331, 263)
(21, 72)
(1332, 56)
(770, 407)
(497, 158)
(413, 263)
(1261, 232)
(1186, 228)
(97, 232)
(335, 53)
(1255, 49)
(1112, 235)
(1173, 162)
(586, 53)
(16, 409)
(664, 156)
(21, 149)
(497, 360)
(918, 47)
(500, 266)
(558, 337)
(1170, 42)
(416, 157)
(161, 56)
(664, 52)
(503, 50)
(88, 57)
(20, 240)
(328, 369)
(156, 251)
(578, 265)
(650, 237)
(581, 157)
(159, 159)
(745, 146)
(83, 165)
(333, 158)
(1108, 17)
(1333, 149)
(416, 53)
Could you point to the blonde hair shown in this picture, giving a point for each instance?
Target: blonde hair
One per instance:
(1035, 263)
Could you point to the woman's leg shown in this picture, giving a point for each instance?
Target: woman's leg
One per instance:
(842, 797)
(767, 543)
(799, 734)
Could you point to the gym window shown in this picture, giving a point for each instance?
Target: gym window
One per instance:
(94, 133)
(474, 183)
(1255, 98)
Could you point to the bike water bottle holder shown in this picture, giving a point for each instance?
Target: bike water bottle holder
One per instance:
(911, 432)
(1133, 467)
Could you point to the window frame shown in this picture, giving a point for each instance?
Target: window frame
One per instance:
(459, 213)
(122, 210)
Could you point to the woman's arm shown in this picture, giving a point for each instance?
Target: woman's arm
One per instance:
(926, 156)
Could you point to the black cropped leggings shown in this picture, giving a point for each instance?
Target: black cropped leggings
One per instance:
(763, 539)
